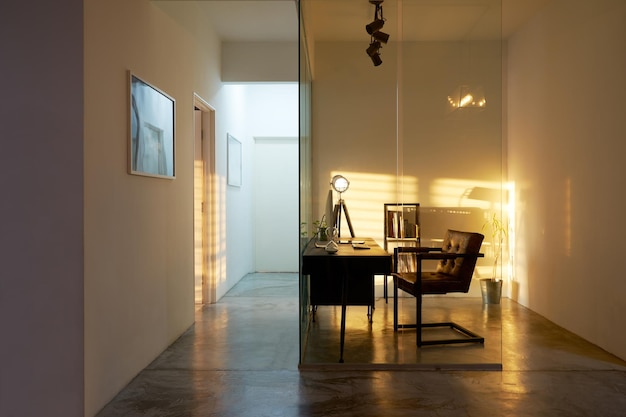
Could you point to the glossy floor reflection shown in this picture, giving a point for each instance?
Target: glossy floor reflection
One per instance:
(376, 342)
(241, 356)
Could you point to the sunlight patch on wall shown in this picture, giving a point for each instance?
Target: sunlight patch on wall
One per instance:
(198, 228)
(366, 196)
(509, 215)
(470, 205)
(457, 192)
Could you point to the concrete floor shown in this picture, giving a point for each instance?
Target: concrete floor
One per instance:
(241, 359)
(376, 342)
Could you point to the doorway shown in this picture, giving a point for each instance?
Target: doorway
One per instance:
(204, 203)
(276, 196)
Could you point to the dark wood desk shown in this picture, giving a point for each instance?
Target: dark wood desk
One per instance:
(345, 277)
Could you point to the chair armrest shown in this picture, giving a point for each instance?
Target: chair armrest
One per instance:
(423, 249)
(420, 254)
(448, 255)
(415, 249)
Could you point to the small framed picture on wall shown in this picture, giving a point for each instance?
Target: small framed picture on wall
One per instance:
(234, 161)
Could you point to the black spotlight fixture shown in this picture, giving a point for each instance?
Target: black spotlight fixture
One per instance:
(373, 48)
(381, 36)
(372, 51)
(376, 59)
(375, 26)
(377, 37)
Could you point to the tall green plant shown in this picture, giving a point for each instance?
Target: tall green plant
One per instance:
(498, 234)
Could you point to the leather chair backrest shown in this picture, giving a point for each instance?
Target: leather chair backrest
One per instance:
(463, 243)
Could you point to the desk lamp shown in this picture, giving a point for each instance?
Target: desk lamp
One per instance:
(341, 184)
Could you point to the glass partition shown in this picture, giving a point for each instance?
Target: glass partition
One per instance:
(422, 127)
(306, 215)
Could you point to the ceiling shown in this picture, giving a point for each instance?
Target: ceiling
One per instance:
(345, 20)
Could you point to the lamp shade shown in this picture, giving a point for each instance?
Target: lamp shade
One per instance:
(340, 183)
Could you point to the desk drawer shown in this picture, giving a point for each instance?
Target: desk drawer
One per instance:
(325, 289)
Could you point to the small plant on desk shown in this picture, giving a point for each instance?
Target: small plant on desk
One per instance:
(320, 229)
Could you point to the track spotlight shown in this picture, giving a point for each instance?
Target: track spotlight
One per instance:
(376, 35)
(373, 48)
(372, 51)
(376, 59)
(381, 36)
(375, 26)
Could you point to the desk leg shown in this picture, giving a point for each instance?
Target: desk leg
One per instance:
(372, 307)
(344, 301)
(395, 304)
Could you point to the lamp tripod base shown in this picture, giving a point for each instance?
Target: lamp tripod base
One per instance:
(341, 205)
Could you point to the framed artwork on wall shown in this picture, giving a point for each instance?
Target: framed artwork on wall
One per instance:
(234, 161)
(151, 142)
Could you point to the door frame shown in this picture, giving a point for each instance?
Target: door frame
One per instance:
(209, 209)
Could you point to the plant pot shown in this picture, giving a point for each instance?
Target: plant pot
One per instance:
(491, 290)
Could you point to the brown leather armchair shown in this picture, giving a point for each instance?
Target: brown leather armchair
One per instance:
(457, 259)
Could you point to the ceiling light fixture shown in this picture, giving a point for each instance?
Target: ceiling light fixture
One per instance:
(470, 93)
(373, 29)
(467, 97)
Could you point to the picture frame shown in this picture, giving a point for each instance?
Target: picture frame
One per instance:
(234, 161)
(152, 130)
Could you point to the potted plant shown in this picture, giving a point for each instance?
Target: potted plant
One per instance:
(320, 229)
(491, 288)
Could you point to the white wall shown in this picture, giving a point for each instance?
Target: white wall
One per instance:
(237, 208)
(41, 209)
(566, 146)
(276, 214)
(139, 279)
(260, 61)
(139, 294)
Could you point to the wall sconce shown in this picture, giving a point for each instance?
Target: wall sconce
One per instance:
(377, 36)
